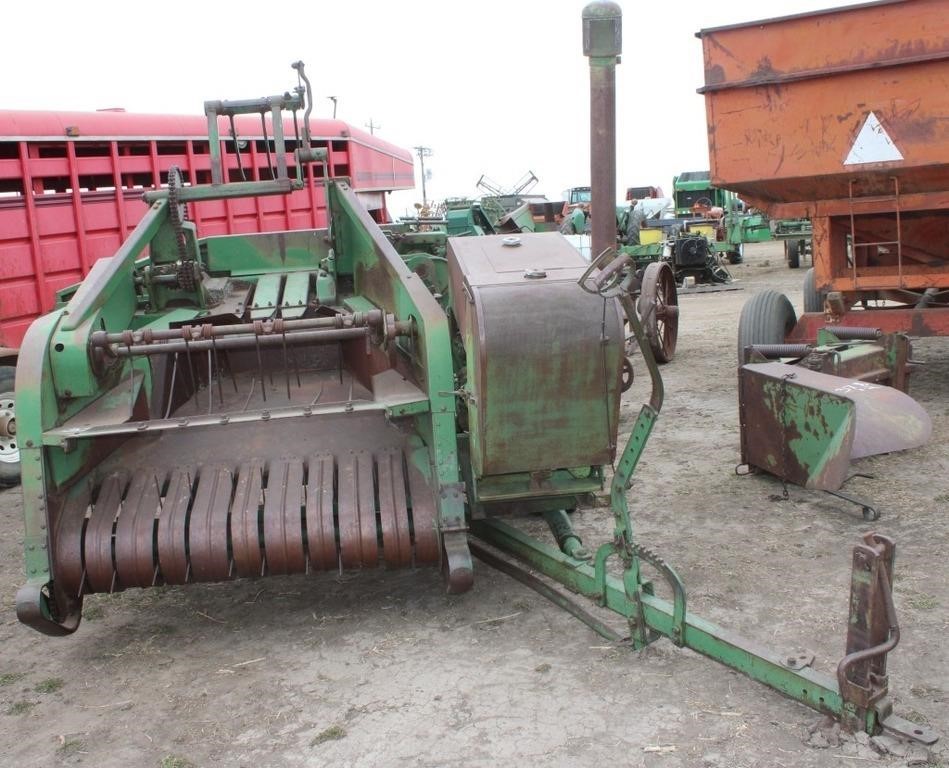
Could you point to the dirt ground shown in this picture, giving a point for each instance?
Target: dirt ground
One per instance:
(382, 668)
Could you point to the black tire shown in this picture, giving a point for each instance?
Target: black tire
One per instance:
(766, 318)
(792, 252)
(736, 256)
(813, 300)
(9, 448)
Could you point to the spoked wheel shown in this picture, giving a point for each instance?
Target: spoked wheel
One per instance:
(659, 310)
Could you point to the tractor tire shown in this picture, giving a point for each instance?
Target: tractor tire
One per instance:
(9, 447)
(813, 300)
(766, 318)
(792, 252)
(737, 256)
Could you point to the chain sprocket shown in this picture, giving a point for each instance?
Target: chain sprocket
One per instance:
(178, 213)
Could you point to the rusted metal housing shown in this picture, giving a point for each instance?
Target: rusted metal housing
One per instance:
(840, 116)
(544, 387)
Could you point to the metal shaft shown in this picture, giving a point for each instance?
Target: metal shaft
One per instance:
(602, 43)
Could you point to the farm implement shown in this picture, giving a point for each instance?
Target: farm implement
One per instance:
(205, 409)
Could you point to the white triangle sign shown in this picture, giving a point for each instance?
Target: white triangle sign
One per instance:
(873, 144)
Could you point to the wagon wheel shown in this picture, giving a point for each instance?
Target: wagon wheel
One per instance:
(658, 307)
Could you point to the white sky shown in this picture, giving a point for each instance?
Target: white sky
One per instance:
(493, 87)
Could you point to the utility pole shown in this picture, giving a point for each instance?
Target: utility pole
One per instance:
(333, 99)
(422, 153)
(372, 126)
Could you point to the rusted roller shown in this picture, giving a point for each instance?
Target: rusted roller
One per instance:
(172, 529)
(358, 542)
(97, 543)
(245, 527)
(135, 564)
(320, 527)
(393, 509)
(283, 518)
(423, 518)
(68, 537)
(207, 528)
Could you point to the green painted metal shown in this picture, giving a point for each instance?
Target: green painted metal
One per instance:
(278, 252)
(266, 296)
(296, 292)
(629, 599)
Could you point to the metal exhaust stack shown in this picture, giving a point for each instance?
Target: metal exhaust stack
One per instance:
(603, 44)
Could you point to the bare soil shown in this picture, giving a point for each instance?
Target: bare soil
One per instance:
(382, 668)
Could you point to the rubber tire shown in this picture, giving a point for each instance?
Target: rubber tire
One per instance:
(766, 318)
(736, 256)
(813, 300)
(792, 252)
(9, 471)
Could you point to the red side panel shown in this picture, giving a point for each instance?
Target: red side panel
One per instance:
(71, 186)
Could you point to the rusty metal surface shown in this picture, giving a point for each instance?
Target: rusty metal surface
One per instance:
(273, 505)
(97, 543)
(320, 529)
(208, 529)
(602, 157)
(394, 512)
(283, 518)
(547, 355)
(872, 629)
(67, 542)
(134, 532)
(933, 321)
(787, 98)
(248, 559)
(805, 426)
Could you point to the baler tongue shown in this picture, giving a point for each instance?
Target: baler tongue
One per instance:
(804, 426)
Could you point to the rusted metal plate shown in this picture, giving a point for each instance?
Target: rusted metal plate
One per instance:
(933, 321)
(357, 515)
(872, 628)
(67, 538)
(135, 529)
(805, 426)
(393, 509)
(98, 539)
(545, 385)
(207, 529)
(320, 527)
(424, 516)
(172, 529)
(245, 526)
(283, 517)
(796, 106)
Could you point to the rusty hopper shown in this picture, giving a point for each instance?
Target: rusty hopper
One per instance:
(839, 116)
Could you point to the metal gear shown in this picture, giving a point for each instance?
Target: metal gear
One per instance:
(177, 213)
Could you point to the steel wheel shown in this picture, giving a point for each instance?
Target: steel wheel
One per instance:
(9, 446)
(659, 310)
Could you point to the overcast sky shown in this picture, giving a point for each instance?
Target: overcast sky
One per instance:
(493, 87)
